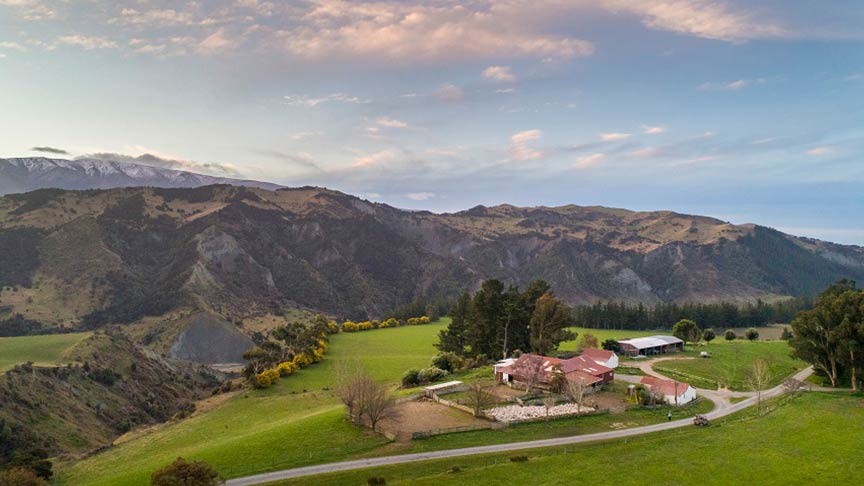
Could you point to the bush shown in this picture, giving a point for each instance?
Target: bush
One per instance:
(448, 362)
(376, 481)
(104, 376)
(365, 326)
(286, 368)
(519, 459)
(752, 334)
(730, 335)
(611, 345)
(411, 378)
(787, 334)
(708, 335)
(265, 379)
(430, 374)
(20, 476)
(349, 326)
(392, 322)
(182, 473)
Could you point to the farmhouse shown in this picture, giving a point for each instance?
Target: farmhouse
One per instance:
(673, 392)
(539, 371)
(600, 356)
(651, 345)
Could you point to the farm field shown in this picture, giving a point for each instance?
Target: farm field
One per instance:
(731, 363)
(292, 424)
(46, 350)
(808, 439)
(299, 422)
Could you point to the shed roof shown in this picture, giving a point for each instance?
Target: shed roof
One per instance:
(651, 341)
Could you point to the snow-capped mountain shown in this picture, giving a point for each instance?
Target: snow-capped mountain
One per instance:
(28, 174)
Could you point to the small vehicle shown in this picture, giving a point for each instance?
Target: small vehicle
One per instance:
(700, 421)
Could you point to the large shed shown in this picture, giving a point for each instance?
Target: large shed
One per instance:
(651, 345)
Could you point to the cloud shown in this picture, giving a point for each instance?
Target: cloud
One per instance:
(710, 19)
(391, 123)
(374, 159)
(501, 74)
(216, 43)
(301, 100)
(731, 85)
(450, 93)
(649, 130)
(521, 145)
(87, 42)
(589, 161)
(304, 135)
(821, 151)
(11, 45)
(613, 137)
(420, 196)
(150, 159)
(423, 32)
(50, 150)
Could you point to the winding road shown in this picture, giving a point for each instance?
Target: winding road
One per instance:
(723, 407)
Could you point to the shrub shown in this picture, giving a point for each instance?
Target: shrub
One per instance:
(448, 362)
(286, 368)
(392, 322)
(611, 345)
(302, 360)
(424, 320)
(182, 473)
(349, 326)
(413, 321)
(376, 481)
(519, 459)
(787, 334)
(752, 334)
(365, 326)
(730, 335)
(708, 335)
(266, 378)
(332, 327)
(430, 374)
(104, 376)
(411, 378)
(20, 476)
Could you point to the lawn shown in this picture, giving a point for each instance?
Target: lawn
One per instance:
(278, 428)
(47, 350)
(810, 439)
(731, 363)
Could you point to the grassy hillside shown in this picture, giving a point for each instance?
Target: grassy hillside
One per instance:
(812, 439)
(295, 423)
(45, 350)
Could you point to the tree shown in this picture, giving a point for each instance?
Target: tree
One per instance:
(687, 330)
(708, 335)
(588, 341)
(611, 345)
(575, 389)
(751, 334)
(21, 476)
(530, 369)
(730, 335)
(479, 398)
(548, 403)
(182, 473)
(549, 324)
(378, 404)
(453, 338)
(760, 377)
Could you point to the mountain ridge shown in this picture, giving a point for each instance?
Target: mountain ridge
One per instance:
(92, 258)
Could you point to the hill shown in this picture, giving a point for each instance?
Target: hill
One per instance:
(84, 259)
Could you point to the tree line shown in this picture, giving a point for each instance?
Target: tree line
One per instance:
(618, 315)
(497, 321)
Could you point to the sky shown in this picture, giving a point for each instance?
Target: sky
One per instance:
(748, 111)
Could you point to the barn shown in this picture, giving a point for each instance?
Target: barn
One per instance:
(651, 345)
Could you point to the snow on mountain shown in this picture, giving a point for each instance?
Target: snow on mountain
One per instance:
(31, 173)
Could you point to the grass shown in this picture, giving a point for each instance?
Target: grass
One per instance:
(47, 350)
(731, 363)
(810, 439)
(264, 430)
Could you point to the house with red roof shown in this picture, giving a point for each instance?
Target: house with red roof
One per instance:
(673, 392)
(539, 371)
(601, 356)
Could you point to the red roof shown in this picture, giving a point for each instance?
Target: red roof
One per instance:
(666, 387)
(585, 378)
(598, 354)
(585, 365)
